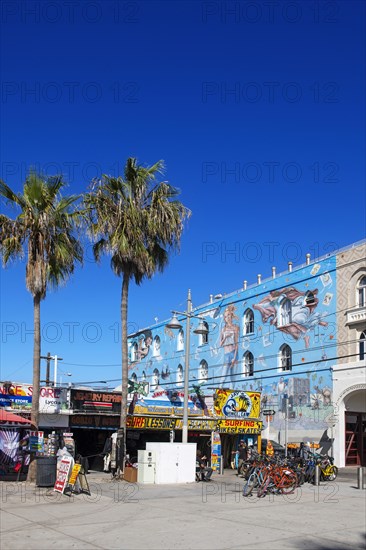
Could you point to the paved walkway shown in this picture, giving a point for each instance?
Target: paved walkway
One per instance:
(191, 516)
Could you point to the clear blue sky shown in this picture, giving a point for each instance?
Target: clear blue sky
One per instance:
(258, 111)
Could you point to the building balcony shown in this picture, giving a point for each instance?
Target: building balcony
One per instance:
(356, 315)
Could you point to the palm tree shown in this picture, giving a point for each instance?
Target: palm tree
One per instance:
(137, 221)
(44, 230)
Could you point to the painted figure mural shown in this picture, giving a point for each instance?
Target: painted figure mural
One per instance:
(291, 311)
(229, 340)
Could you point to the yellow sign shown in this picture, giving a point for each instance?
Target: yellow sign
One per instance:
(234, 426)
(237, 404)
(270, 449)
(74, 474)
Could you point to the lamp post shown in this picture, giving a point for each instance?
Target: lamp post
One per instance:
(202, 329)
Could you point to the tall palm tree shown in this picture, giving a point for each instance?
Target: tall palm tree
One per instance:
(44, 231)
(137, 221)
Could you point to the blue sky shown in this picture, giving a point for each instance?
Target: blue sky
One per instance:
(257, 109)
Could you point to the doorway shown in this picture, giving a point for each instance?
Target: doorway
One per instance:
(355, 439)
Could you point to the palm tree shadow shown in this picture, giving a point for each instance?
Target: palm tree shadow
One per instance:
(333, 545)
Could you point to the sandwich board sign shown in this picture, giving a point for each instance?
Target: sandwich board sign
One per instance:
(63, 474)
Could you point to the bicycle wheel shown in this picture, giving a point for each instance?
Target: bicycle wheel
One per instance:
(330, 473)
(263, 488)
(249, 486)
(288, 483)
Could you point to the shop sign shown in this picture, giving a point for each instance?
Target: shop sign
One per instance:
(155, 422)
(94, 421)
(237, 404)
(96, 401)
(235, 426)
(197, 424)
(19, 397)
(63, 474)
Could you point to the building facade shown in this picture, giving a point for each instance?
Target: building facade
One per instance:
(297, 339)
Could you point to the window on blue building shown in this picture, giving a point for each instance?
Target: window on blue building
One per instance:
(285, 312)
(180, 340)
(203, 372)
(248, 322)
(155, 379)
(285, 358)
(361, 288)
(248, 364)
(156, 346)
(203, 338)
(134, 352)
(179, 375)
(362, 346)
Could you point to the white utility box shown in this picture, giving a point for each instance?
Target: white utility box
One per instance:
(146, 467)
(175, 462)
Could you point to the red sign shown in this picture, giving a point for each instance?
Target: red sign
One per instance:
(63, 475)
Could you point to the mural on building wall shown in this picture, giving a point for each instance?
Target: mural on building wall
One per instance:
(293, 314)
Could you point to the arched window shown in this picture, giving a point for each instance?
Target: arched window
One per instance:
(285, 312)
(180, 340)
(134, 377)
(203, 372)
(179, 375)
(203, 338)
(285, 358)
(155, 379)
(156, 346)
(248, 364)
(248, 322)
(310, 298)
(362, 345)
(143, 376)
(134, 352)
(361, 292)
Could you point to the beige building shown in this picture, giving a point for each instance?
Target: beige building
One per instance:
(348, 427)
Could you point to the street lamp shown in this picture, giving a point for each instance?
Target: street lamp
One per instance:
(201, 329)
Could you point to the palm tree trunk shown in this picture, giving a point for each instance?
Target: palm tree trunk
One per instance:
(32, 472)
(124, 303)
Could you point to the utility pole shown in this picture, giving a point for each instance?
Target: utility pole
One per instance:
(48, 359)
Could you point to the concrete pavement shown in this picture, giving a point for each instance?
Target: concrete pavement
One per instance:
(192, 516)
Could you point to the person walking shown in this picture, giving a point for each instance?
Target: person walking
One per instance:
(242, 453)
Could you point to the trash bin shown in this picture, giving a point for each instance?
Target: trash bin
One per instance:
(46, 471)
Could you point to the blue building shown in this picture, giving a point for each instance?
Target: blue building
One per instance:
(278, 337)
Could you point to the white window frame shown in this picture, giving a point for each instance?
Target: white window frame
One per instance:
(285, 312)
(155, 379)
(180, 340)
(203, 338)
(282, 357)
(134, 352)
(361, 292)
(180, 375)
(156, 352)
(203, 371)
(248, 364)
(248, 322)
(362, 346)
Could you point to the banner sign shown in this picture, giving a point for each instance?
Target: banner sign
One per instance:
(237, 404)
(215, 451)
(203, 424)
(63, 474)
(74, 475)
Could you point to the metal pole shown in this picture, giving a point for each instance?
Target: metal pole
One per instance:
(360, 484)
(186, 369)
(55, 372)
(286, 423)
(316, 475)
